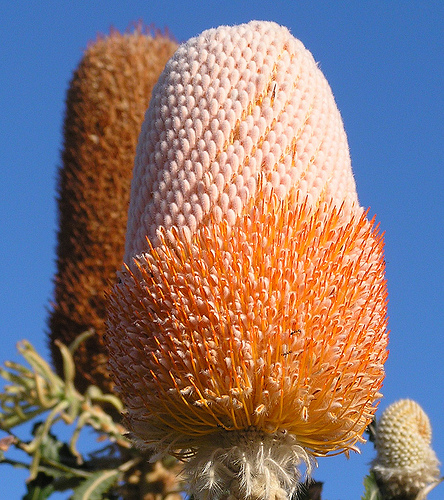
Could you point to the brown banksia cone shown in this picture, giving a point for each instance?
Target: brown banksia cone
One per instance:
(105, 106)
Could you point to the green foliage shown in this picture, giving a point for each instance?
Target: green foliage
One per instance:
(371, 488)
(39, 488)
(37, 392)
(96, 485)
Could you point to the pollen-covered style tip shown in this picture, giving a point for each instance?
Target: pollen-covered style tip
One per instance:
(247, 332)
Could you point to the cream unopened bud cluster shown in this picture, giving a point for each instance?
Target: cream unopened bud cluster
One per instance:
(406, 462)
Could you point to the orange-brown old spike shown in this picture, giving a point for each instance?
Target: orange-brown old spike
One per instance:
(105, 106)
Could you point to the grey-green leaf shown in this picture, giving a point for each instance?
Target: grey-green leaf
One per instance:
(371, 488)
(96, 485)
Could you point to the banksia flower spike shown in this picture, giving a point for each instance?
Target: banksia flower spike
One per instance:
(406, 463)
(106, 103)
(247, 332)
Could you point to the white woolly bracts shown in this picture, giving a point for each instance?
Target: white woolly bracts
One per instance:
(247, 464)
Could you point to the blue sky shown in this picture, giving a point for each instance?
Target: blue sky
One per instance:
(384, 62)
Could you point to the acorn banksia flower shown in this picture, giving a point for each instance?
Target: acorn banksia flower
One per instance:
(247, 331)
(105, 107)
(406, 463)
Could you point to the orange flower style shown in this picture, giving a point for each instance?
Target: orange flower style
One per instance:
(248, 330)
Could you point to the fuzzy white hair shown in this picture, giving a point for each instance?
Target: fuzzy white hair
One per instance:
(247, 464)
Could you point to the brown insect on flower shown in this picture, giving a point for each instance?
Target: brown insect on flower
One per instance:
(105, 105)
(248, 331)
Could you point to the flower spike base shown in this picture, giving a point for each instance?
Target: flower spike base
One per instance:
(247, 464)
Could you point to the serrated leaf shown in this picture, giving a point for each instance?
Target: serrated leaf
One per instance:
(371, 430)
(96, 485)
(61, 472)
(371, 488)
(54, 450)
(39, 488)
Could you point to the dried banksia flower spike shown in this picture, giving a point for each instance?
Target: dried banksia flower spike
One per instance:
(105, 106)
(406, 464)
(247, 333)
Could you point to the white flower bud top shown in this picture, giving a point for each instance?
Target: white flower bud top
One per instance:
(406, 462)
(231, 103)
